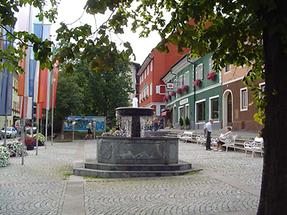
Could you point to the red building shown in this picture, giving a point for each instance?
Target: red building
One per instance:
(154, 67)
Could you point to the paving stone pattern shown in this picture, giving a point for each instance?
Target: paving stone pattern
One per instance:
(229, 184)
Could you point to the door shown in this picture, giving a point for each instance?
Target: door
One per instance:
(229, 109)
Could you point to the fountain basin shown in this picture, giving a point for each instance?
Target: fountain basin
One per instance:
(122, 157)
(149, 150)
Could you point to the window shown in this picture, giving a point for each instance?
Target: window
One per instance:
(147, 90)
(180, 81)
(200, 111)
(186, 111)
(199, 72)
(160, 89)
(213, 108)
(262, 89)
(180, 113)
(227, 68)
(151, 65)
(243, 99)
(150, 89)
(147, 69)
(210, 64)
(186, 78)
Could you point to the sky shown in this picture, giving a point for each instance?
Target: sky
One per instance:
(70, 11)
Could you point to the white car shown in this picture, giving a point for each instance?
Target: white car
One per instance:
(11, 132)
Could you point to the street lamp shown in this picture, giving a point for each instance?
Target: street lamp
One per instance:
(73, 126)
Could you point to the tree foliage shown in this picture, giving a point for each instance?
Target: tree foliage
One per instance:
(15, 52)
(84, 92)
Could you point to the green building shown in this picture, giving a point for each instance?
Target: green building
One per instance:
(193, 91)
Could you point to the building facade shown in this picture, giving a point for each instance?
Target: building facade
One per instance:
(238, 107)
(194, 91)
(15, 105)
(151, 87)
(134, 68)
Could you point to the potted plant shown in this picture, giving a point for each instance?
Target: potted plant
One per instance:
(211, 76)
(185, 88)
(181, 122)
(30, 142)
(179, 90)
(187, 123)
(197, 82)
(172, 93)
(41, 139)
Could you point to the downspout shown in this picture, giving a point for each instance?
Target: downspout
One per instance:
(194, 90)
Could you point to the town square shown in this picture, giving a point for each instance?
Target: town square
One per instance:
(143, 107)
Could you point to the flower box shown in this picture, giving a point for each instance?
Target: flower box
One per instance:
(179, 90)
(211, 76)
(172, 93)
(185, 88)
(197, 83)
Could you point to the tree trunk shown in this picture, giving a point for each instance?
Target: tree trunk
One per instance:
(273, 197)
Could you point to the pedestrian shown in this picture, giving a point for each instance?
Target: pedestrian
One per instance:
(89, 135)
(208, 129)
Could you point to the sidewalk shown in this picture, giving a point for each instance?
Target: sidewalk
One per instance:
(228, 184)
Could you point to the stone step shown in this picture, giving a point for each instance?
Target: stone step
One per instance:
(138, 167)
(128, 174)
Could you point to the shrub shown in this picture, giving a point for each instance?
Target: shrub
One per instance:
(4, 156)
(40, 137)
(15, 148)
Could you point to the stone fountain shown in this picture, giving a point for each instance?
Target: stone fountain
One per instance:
(134, 155)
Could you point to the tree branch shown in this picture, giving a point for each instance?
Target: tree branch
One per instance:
(2, 26)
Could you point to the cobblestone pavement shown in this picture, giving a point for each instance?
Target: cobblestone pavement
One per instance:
(228, 184)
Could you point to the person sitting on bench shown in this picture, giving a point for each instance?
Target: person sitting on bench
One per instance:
(223, 137)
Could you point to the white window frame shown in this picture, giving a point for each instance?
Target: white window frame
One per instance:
(197, 70)
(151, 65)
(199, 101)
(260, 86)
(157, 89)
(225, 68)
(210, 64)
(209, 107)
(150, 89)
(241, 99)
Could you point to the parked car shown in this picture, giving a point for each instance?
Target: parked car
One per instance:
(11, 132)
(28, 130)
